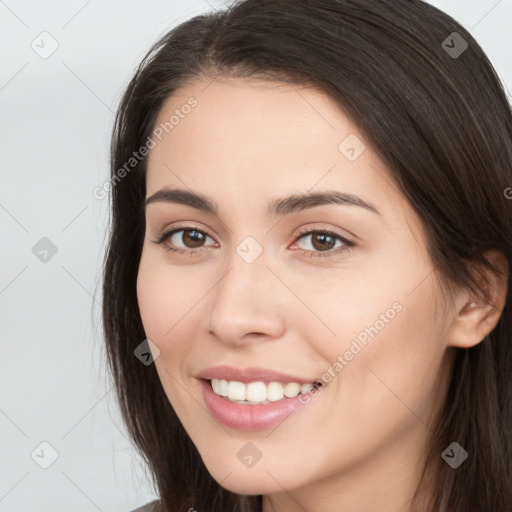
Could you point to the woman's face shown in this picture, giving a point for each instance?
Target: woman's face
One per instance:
(352, 304)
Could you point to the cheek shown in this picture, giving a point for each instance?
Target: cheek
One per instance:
(150, 304)
(386, 337)
(164, 301)
(169, 305)
(166, 317)
(397, 375)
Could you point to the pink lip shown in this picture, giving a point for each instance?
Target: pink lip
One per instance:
(250, 375)
(248, 417)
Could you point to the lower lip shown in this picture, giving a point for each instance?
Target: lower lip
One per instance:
(248, 417)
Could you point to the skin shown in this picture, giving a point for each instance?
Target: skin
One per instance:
(247, 142)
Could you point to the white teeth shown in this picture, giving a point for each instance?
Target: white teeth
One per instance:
(255, 393)
(306, 388)
(236, 390)
(223, 387)
(220, 387)
(292, 389)
(274, 391)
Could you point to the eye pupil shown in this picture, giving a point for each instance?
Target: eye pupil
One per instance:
(193, 238)
(322, 237)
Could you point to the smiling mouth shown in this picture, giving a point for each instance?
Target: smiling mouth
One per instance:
(246, 406)
(259, 393)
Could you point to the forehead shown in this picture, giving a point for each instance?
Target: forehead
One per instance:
(263, 139)
(247, 125)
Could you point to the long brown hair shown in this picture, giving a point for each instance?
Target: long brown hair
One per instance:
(434, 110)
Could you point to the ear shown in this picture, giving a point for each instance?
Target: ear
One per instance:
(475, 317)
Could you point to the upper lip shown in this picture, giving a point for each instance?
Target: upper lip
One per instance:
(250, 374)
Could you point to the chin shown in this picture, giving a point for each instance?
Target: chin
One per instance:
(247, 486)
(246, 481)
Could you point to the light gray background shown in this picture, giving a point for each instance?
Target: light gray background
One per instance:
(56, 117)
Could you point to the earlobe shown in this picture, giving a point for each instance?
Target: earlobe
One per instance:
(477, 316)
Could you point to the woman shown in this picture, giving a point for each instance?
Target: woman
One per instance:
(306, 291)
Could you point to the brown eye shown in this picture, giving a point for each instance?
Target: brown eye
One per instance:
(322, 242)
(183, 240)
(192, 238)
(325, 242)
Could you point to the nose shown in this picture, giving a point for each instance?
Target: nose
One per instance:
(248, 303)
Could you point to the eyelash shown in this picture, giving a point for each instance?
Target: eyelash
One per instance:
(348, 245)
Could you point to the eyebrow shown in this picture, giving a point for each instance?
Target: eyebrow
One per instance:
(279, 206)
